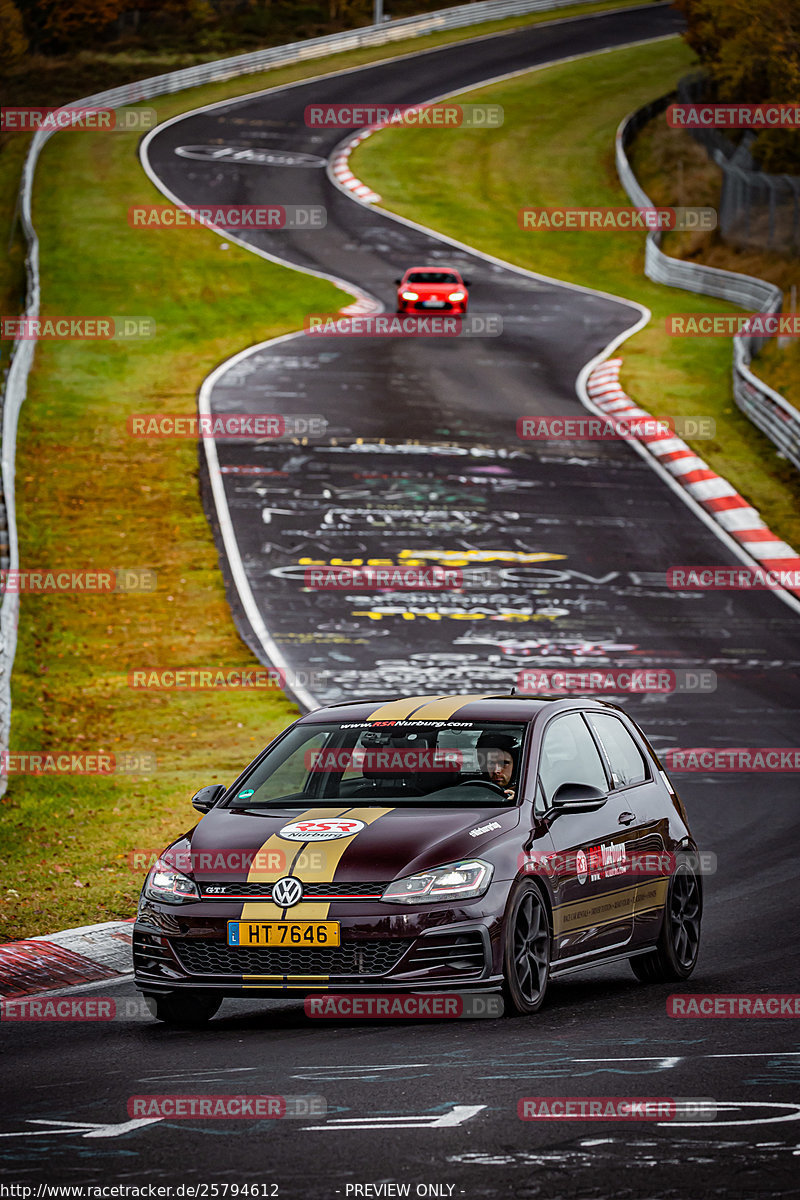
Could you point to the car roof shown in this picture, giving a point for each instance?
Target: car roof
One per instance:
(478, 707)
(434, 267)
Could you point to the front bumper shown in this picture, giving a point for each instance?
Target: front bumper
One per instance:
(443, 947)
(418, 307)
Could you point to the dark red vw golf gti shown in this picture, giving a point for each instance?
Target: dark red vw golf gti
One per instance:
(429, 843)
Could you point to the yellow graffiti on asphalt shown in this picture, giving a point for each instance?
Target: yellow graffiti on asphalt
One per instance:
(431, 614)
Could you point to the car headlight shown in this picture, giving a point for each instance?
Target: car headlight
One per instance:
(410, 295)
(457, 296)
(455, 881)
(169, 886)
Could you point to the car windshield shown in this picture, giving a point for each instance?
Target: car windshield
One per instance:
(430, 763)
(432, 277)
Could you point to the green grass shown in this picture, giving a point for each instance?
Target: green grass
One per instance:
(89, 495)
(779, 366)
(555, 148)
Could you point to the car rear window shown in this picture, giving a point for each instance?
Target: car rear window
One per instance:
(430, 763)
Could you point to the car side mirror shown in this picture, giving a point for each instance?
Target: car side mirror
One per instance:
(467, 282)
(398, 282)
(207, 797)
(578, 797)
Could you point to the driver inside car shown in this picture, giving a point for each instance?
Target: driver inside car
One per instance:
(496, 760)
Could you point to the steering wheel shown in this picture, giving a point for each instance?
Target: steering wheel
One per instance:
(483, 783)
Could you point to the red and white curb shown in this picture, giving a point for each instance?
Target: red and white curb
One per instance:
(340, 168)
(60, 960)
(716, 496)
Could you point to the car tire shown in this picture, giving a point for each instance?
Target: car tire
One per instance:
(528, 946)
(184, 1009)
(675, 954)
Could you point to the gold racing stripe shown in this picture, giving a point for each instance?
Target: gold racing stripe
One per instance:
(313, 862)
(441, 708)
(586, 914)
(276, 850)
(400, 710)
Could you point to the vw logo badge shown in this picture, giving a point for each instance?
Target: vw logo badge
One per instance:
(287, 891)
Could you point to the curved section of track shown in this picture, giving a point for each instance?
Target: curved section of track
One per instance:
(421, 462)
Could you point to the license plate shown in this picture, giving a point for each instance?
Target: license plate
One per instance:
(433, 303)
(283, 933)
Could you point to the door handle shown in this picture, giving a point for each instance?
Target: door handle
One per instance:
(626, 818)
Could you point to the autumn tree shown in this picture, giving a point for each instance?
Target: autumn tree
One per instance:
(750, 52)
(58, 24)
(13, 42)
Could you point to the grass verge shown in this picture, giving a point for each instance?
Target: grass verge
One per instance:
(548, 153)
(90, 495)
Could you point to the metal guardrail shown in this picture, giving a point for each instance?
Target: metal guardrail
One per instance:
(22, 353)
(765, 407)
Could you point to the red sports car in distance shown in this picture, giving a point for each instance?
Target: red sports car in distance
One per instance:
(432, 288)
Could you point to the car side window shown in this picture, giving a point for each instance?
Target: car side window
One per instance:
(569, 755)
(628, 764)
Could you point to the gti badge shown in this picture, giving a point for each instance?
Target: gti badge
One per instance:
(287, 891)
